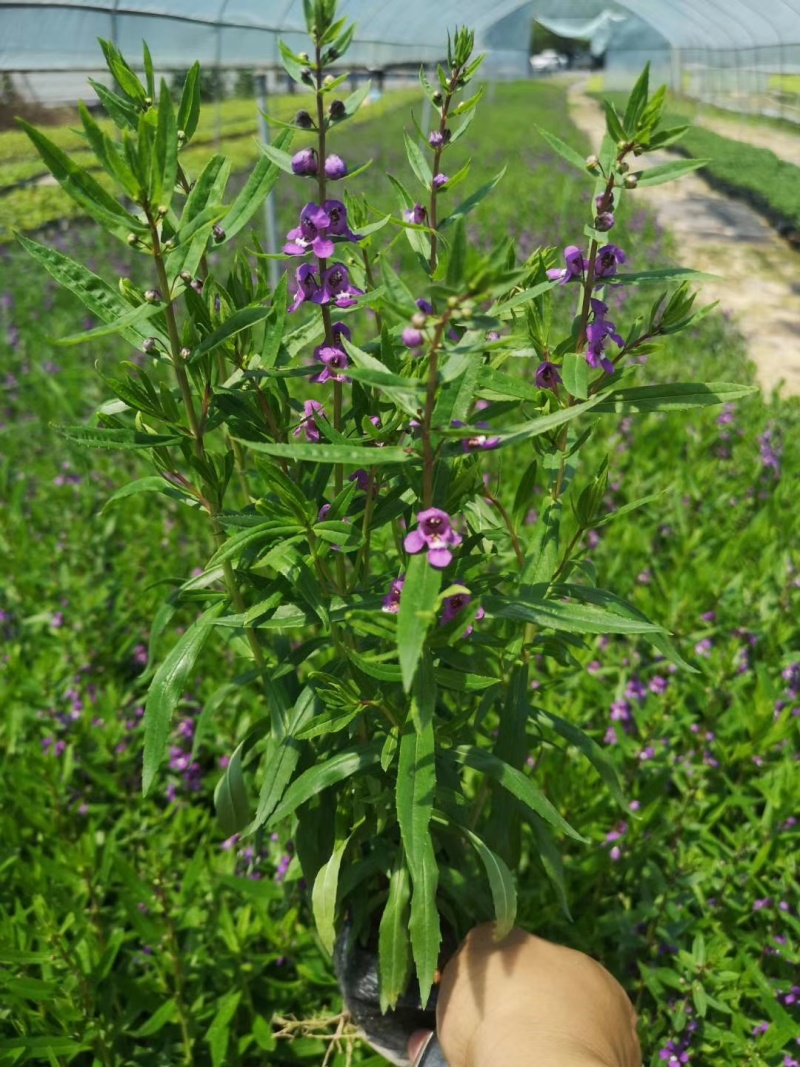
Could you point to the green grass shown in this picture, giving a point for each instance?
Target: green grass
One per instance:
(129, 936)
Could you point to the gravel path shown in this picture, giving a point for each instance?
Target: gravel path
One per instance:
(761, 272)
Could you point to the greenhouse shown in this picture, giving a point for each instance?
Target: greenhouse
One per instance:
(399, 440)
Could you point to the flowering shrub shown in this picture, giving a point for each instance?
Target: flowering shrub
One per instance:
(367, 449)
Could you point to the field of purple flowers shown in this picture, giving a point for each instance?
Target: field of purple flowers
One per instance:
(133, 932)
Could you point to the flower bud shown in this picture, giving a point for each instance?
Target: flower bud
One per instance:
(148, 101)
(452, 301)
(168, 245)
(303, 57)
(332, 55)
(418, 320)
(197, 284)
(304, 162)
(604, 221)
(623, 167)
(437, 99)
(466, 313)
(335, 167)
(149, 345)
(337, 109)
(306, 77)
(328, 80)
(152, 296)
(161, 210)
(303, 120)
(181, 136)
(631, 181)
(185, 276)
(218, 233)
(185, 353)
(133, 239)
(592, 163)
(412, 338)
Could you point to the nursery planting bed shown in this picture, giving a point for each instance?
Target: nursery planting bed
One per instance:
(131, 933)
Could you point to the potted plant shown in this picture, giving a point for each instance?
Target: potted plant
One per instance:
(391, 606)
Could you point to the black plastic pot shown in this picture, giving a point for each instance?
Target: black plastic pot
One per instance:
(357, 973)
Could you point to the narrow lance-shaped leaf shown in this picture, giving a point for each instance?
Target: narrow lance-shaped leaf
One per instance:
(338, 768)
(501, 883)
(394, 947)
(415, 618)
(231, 799)
(324, 895)
(165, 691)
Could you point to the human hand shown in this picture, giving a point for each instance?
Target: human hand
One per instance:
(525, 1002)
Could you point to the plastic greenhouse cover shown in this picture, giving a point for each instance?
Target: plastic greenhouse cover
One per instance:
(49, 35)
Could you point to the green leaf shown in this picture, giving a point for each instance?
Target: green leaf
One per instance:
(133, 317)
(416, 615)
(665, 274)
(324, 775)
(219, 1032)
(123, 113)
(276, 155)
(586, 746)
(231, 798)
(472, 202)
(501, 883)
(324, 894)
(116, 438)
(546, 423)
(165, 152)
(123, 74)
(667, 172)
(572, 618)
(394, 947)
(92, 291)
(256, 189)
(83, 188)
(419, 163)
(637, 101)
(167, 687)
(543, 554)
(575, 375)
(349, 455)
(283, 750)
(240, 320)
(613, 124)
(152, 484)
(563, 150)
(550, 858)
(517, 783)
(677, 396)
(167, 1013)
(189, 107)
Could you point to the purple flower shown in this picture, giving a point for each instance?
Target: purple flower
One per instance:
(605, 264)
(361, 478)
(337, 213)
(770, 448)
(576, 265)
(548, 376)
(311, 234)
(433, 534)
(418, 215)
(440, 180)
(304, 162)
(336, 287)
(425, 306)
(703, 648)
(391, 602)
(334, 360)
(335, 167)
(308, 424)
(435, 139)
(308, 287)
(454, 605)
(597, 331)
(479, 441)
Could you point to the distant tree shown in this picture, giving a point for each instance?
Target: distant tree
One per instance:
(212, 84)
(542, 38)
(245, 84)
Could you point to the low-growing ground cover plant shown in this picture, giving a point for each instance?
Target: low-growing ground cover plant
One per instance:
(587, 809)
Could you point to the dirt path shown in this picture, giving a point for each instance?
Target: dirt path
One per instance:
(784, 143)
(714, 233)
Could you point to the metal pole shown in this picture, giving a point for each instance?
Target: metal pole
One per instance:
(270, 220)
